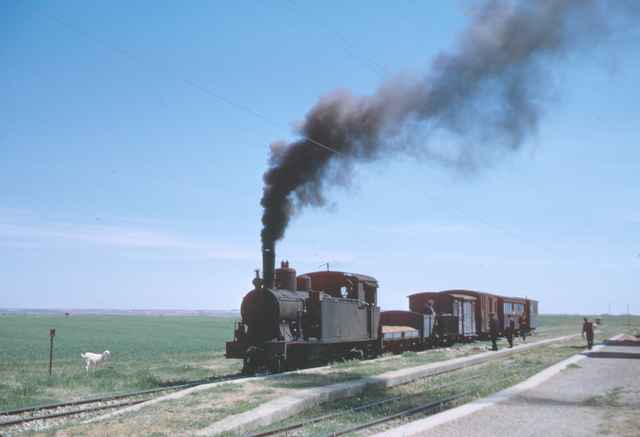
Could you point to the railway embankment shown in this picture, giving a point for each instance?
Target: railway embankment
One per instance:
(286, 406)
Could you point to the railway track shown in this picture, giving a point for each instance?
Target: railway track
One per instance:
(31, 414)
(427, 407)
(70, 412)
(424, 408)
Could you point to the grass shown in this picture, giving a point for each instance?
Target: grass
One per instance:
(142, 359)
(147, 352)
(611, 398)
(183, 416)
(619, 409)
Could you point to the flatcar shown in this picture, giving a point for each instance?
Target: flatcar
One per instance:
(405, 330)
(413, 331)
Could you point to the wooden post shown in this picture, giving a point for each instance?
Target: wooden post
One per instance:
(52, 333)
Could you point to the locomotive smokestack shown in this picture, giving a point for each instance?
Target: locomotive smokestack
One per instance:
(268, 263)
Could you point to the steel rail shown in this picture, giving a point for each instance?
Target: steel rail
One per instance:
(375, 403)
(70, 413)
(414, 410)
(122, 395)
(358, 408)
(404, 413)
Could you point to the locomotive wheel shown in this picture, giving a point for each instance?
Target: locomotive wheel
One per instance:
(353, 354)
(251, 360)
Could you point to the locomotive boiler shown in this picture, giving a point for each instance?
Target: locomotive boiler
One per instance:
(291, 321)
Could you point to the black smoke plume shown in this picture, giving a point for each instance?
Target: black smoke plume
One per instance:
(484, 98)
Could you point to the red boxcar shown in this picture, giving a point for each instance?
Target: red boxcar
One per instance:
(461, 306)
(510, 306)
(486, 303)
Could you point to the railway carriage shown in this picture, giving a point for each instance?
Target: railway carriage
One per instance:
(513, 307)
(485, 305)
(449, 304)
(531, 314)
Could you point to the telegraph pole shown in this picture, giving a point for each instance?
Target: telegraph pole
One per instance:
(52, 333)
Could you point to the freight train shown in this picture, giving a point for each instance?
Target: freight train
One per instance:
(292, 321)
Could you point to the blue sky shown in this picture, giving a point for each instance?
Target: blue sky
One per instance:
(133, 138)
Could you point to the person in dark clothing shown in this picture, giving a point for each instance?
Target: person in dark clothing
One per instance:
(509, 330)
(523, 327)
(493, 332)
(429, 308)
(587, 329)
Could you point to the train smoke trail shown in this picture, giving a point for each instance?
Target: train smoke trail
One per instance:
(484, 98)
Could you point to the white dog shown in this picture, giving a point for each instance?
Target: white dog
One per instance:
(93, 360)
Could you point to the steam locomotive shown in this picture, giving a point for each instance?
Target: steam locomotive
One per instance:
(290, 321)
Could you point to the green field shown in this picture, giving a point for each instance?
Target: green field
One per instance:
(147, 352)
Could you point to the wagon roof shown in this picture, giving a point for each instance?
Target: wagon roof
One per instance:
(462, 296)
(420, 293)
(469, 292)
(519, 299)
(330, 273)
(464, 292)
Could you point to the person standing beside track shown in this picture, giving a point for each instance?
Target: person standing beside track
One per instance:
(508, 332)
(430, 310)
(522, 322)
(587, 328)
(493, 331)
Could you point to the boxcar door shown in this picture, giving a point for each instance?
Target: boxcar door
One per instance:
(458, 311)
(469, 318)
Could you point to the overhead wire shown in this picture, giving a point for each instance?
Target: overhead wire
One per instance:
(370, 64)
(187, 81)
